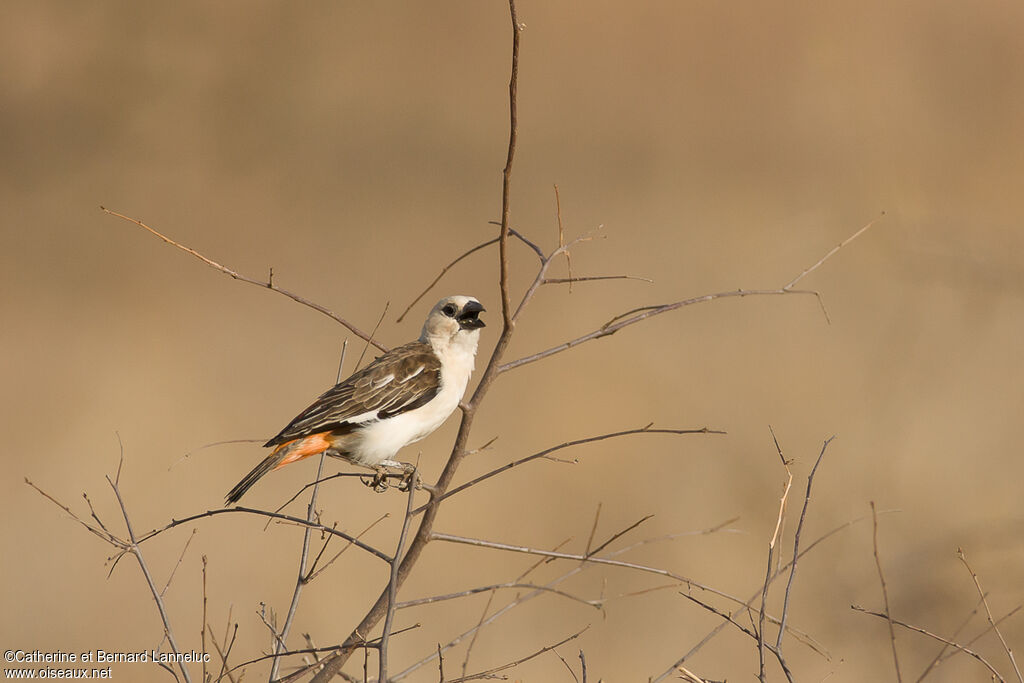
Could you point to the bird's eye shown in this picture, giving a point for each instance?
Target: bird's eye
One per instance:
(449, 310)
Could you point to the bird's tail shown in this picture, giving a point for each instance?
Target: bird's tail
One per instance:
(285, 453)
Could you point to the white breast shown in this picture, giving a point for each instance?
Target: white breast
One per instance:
(381, 440)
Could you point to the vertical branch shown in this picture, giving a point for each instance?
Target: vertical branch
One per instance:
(392, 589)
(202, 634)
(885, 592)
(796, 544)
(506, 174)
(771, 556)
(302, 579)
(402, 568)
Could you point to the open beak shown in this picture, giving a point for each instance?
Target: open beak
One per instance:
(469, 318)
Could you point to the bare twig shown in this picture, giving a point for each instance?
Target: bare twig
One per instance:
(341, 361)
(274, 515)
(480, 543)
(591, 278)
(933, 636)
(988, 613)
(301, 579)
(100, 532)
(268, 284)
(771, 557)
(796, 542)
(393, 580)
(593, 529)
(568, 444)
(743, 608)
(582, 566)
(561, 239)
(133, 548)
(489, 673)
(366, 346)
(476, 632)
(979, 636)
(202, 634)
(493, 587)
(471, 251)
(640, 315)
(178, 563)
(885, 592)
(314, 572)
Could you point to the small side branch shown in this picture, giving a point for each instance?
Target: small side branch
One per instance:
(885, 592)
(924, 632)
(266, 284)
(988, 614)
(133, 548)
(639, 315)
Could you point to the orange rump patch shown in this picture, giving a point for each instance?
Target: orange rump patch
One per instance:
(297, 449)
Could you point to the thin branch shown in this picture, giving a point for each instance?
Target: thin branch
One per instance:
(614, 537)
(593, 529)
(933, 636)
(477, 631)
(274, 515)
(506, 174)
(639, 315)
(768, 572)
(314, 572)
(743, 608)
(591, 278)
(301, 580)
(834, 249)
(944, 657)
(482, 245)
(988, 613)
(568, 444)
(796, 542)
(583, 566)
(134, 549)
(480, 543)
(885, 592)
(387, 304)
(178, 563)
(268, 284)
(489, 673)
(202, 634)
(389, 614)
(561, 240)
(101, 533)
(495, 586)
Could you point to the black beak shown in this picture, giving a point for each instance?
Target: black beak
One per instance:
(468, 319)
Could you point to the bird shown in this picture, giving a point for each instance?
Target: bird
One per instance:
(398, 399)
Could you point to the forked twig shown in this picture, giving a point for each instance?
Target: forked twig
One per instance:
(489, 673)
(639, 315)
(133, 548)
(301, 579)
(885, 592)
(988, 614)
(924, 632)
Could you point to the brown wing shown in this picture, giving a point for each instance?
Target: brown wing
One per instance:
(404, 378)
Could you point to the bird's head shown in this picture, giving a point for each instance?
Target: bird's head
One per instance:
(454, 320)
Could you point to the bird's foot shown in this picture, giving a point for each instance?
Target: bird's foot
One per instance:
(379, 481)
(383, 471)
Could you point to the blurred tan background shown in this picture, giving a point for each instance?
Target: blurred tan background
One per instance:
(357, 147)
